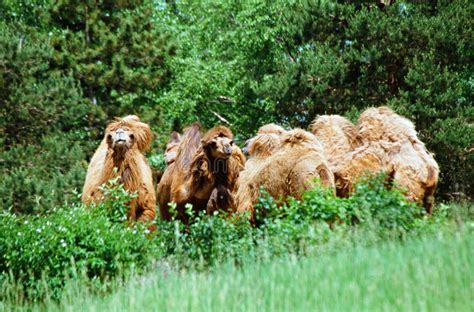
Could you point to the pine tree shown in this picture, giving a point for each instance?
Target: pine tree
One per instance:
(113, 48)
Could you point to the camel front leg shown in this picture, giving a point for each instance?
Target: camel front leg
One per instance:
(146, 208)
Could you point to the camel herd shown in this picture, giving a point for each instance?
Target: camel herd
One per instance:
(210, 172)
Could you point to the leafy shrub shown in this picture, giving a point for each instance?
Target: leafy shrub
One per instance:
(386, 210)
(302, 224)
(206, 241)
(296, 227)
(40, 252)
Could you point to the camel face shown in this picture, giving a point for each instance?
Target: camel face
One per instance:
(120, 140)
(220, 147)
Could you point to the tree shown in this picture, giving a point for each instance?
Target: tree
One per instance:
(115, 49)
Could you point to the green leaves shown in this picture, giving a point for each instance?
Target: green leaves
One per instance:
(113, 47)
(69, 66)
(42, 252)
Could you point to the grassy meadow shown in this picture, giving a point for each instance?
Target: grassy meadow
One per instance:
(431, 273)
(356, 269)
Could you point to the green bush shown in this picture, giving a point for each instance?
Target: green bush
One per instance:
(386, 210)
(296, 227)
(208, 240)
(301, 225)
(41, 252)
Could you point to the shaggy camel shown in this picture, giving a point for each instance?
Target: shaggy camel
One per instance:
(204, 167)
(120, 154)
(258, 148)
(415, 169)
(290, 170)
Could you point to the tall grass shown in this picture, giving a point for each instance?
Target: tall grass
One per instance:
(430, 273)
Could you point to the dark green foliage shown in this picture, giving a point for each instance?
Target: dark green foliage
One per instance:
(44, 125)
(115, 50)
(67, 67)
(35, 100)
(40, 177)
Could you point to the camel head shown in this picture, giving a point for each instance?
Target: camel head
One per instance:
(120, 140)
(219, 147)
(262, 145)
(126, 133)
(265, 142)
(218, 142)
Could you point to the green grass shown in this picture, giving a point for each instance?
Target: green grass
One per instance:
(433, 273)
(364, 266)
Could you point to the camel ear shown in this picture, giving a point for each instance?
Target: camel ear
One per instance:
(175, 137)
(144, 139)
(108, 138)
(143, 136)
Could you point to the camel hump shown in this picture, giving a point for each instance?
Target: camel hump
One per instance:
(190, 142)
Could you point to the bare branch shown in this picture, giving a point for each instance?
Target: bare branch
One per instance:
(221, 118)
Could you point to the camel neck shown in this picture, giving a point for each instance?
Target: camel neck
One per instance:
(119, 165)
(218, 167)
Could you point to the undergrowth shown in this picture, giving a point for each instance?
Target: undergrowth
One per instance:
(39, 255)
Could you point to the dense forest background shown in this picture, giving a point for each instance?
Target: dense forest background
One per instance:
(67, 67)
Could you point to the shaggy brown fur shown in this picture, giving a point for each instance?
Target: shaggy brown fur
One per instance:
(338, 136)
(416, 172)
(172, 148)
(383, 124)
(260, 147)
(263, 145)
(202, 167)
(189, 143)
(287, 172)
(415, 169)
(265, 142)
(271, 128)
(222, 196)
(121, 155)
(371, 158)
